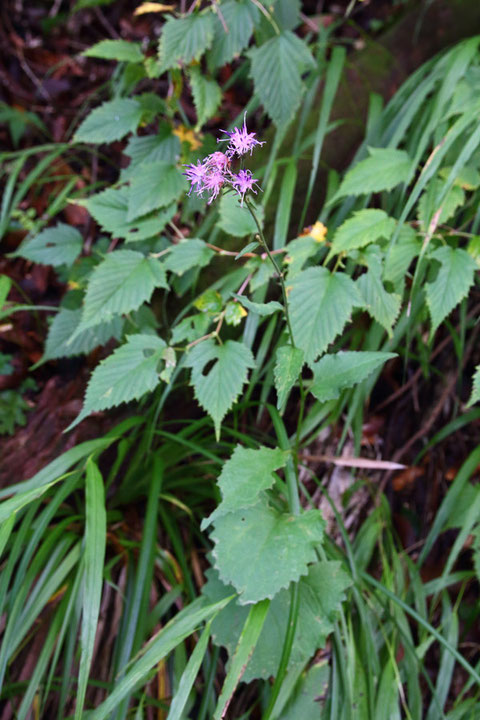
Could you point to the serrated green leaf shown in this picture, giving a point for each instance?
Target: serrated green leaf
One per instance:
(454, 279)
(64, 325)
(262, 309)
(384, 169)
(298, 252)
(187, 254)
(110, 209)
(260, 551)
(468, 177)
(162, 147)
(333, 373)
(320, 595)
(126, 375)
(288, 366)
(307, 700)
(244, 476)
(364, 227)
(111, 121)
(185, 39)
(228, 42)
(428, 204)
(473, 249)
(383, 306)
(119, 284)
(320, 305)
(277, 68)
(400, 256)
(154, 185)
(475, 395)
(236, 220)
(206, 93)
(121, 50)
(191, 328)
(217, 390)
(59, 245)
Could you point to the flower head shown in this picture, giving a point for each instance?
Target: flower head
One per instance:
(243, 182)
(213, 183)
(240, 141)
(196, 174)
(218, 160)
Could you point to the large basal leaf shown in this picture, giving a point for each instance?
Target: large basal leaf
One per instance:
(383, 306)
(320, 595)
(475, 396)
(217, 388)
(119, 284)
(207, 95)
(111, 121)
(384, 169)
(277, 68)
(260, 550)
(244, 477)
(320, 304)
(185, 39)
(233, 35)
(288, 366)
(110, 209)
(333, 373)
(363, 228)
(454, 279)
(63, 327)
(59, 245)
(188, 254)
(236, 220)
(121, 50)
(152, 186)
(126, 375)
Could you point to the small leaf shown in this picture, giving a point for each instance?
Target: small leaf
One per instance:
(400, 256)
(63, 327)
(277, 68)
(110, 209)
(364, 227)
(121, 283)
(111, 121)
(207, 95)
(454, 280)
(210, 302)
(188, 254)
(217, 390)
(126, 375)
(320, 305)
(185, 39)
(260, 550)
(298, 252)
(383, 306)
(288, 366)
(234, 313)
(154, 185)
(59, 245)
(247, 249)
(333, 373)
(383, 170)
(244, 476)
(475, 396)
(121, 50)
(236, 220)
(262, 309)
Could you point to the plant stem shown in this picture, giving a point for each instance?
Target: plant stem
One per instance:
(277, 269)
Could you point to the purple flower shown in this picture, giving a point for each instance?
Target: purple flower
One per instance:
(240, 141)
(213, 183)
(218, 160)
(243, 182)
(196, 174)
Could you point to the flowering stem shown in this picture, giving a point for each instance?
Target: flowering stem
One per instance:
(275, 265)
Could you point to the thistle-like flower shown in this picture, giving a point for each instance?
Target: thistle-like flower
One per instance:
(214, 172)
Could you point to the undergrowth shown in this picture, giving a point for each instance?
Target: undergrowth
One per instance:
(185, 552)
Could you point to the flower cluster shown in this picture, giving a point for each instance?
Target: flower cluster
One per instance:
(215, 171)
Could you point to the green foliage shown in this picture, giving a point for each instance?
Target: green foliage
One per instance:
(363, 228)
(121, 50)
(217, 389)
(59, 245)
(234, 219)
(288, 366)
(335, 372)
(60, 343)
(475, 396)
(454, 279)
(185, 39)
(233, 36)
(384, 169)
(155, 185)
(111, 121)
(188, 254)
(282, 60)
(207, 95)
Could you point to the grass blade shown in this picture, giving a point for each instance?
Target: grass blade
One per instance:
(189, 674)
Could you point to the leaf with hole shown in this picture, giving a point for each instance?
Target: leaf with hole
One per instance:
(219, 373)
(59, 245)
